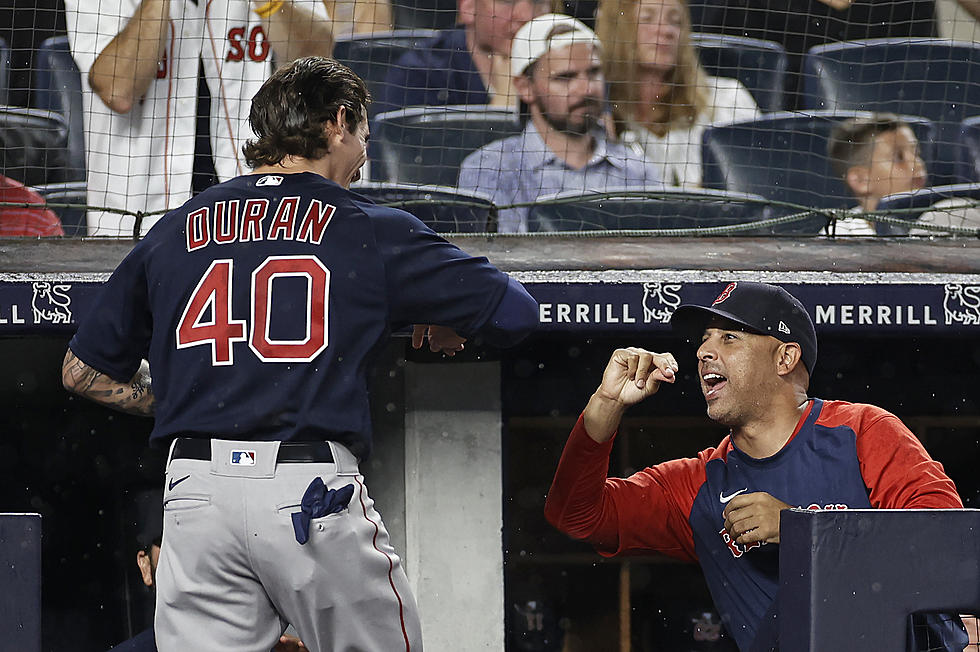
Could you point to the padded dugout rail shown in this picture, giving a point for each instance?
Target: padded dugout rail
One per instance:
(854, 576)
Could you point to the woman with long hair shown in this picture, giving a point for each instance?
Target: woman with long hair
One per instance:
(661, 97)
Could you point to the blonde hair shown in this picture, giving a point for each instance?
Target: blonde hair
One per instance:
(686, 97)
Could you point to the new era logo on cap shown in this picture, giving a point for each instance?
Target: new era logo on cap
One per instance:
(243, 458)
(783, 328)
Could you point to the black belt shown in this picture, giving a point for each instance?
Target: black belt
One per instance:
(193, 448)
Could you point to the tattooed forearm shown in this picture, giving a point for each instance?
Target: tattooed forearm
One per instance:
(134, 397)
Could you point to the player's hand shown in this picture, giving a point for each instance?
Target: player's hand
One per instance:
(633, 374)
(501, 82)
(753, 518)
(289, 644)
(442, 339)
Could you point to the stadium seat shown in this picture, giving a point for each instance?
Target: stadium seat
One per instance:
(72, 217)
(934, 78)
(424, 14)
(33, 146)
(446, 210)
(58, 87)
(759, 65)
(4, 72)
(627, 208)
(911, 205)
(783, 157)
(371, 55)
(428, 144)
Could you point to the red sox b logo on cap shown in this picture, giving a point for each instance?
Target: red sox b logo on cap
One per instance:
(727, 292)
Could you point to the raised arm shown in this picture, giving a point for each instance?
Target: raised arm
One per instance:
(648, 510)
(124, 70)
(134, 397)
(294, 29)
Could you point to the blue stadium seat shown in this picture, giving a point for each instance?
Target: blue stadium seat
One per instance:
(58, 87)
(371, 55)
(626, 208)
(759, 65)
(4, 72)
(783, 157)
(33, 146)
(934, 78)
(445, 210)
(72, 217)
(911, 205)
(428, 14)
(428, 144)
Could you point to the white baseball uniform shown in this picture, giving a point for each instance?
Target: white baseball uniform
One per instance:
(143, 160)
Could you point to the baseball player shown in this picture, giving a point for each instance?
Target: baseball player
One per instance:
(785, 449)
(166, 86)
(258, 305)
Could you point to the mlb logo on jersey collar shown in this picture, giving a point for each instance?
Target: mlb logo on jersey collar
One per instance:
(243, 458)
(269, 180)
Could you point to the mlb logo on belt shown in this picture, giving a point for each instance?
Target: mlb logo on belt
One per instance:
(243, 458)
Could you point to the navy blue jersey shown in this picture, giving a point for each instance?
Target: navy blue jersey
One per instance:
(842, 455)
(259, 303)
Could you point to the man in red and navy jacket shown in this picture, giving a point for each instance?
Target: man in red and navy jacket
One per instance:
(785, 449)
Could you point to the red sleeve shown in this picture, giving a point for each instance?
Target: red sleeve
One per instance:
(897, 468)
(647, 511)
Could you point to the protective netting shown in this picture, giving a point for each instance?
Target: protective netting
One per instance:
(813, 117)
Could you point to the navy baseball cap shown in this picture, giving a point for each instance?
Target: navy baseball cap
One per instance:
(759, 307)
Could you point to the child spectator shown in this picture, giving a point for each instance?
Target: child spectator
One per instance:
(879, 156)
(875, 156)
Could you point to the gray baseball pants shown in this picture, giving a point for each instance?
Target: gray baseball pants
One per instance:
(232, 575)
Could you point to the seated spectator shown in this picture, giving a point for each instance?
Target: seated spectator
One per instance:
(25, 221)
(465, 65)
(875, 156)
(879, 156)
(558, 74)
(661, 96)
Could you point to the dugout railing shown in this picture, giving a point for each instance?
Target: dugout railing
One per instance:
(620, 212)
(849, 579)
